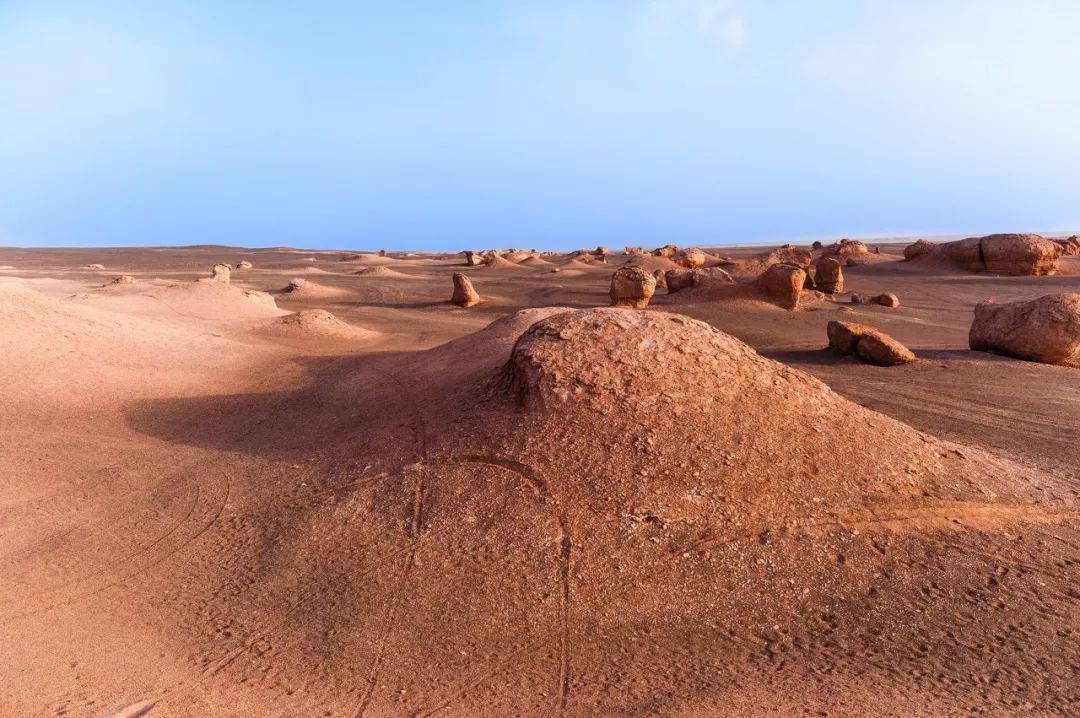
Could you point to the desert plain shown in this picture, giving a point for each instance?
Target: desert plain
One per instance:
(313, 486)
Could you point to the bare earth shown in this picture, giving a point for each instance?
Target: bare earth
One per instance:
(213, 506)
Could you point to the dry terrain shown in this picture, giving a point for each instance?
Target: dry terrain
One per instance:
(345, 496)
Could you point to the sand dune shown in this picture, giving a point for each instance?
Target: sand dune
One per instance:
(537, 506)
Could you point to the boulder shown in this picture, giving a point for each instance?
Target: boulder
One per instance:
(666, 251)
(631, 287)
(661, 279)
(382, 252)
(782, 284)
(691, 258)
(920, 248)
(464, 294)
(221, 273)
(633, 250)
(888, 299)
(601, 250)
(123, 279)
(243, 264)
(869, 344)
(1045, 330)
(473, 259)
(830, 276)
(816, 245)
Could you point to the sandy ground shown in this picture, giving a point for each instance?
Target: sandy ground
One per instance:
(213, 506)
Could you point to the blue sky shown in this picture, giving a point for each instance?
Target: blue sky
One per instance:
(547, 123)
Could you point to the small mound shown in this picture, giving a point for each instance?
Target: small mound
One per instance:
(307, 289)
(367, 258)
(318, 323)
(534, 261)
(380, 271)
(495, 261)
(207, 299)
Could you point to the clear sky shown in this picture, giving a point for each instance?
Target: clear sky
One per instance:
(438, 124)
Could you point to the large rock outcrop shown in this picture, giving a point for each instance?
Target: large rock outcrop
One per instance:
(1005, 254)
(631, 287)
(464, 294)
(1045, 330)
(869, 344)
(1070, 247)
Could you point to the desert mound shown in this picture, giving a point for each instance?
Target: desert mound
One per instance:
(367, 258)
(383, 272)
(209, 299)
(307, 289)
(496, 261)
(318, 323)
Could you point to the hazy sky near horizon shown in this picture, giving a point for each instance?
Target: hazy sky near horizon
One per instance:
(534, 123)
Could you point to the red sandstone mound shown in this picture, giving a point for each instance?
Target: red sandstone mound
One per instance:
(464, 295)
(782, 284)
(1045, 330)
(1005, 254)
(1070, 247)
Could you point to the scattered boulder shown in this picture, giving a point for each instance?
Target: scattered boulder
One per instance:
(920, 248)
(830, 276)
(666, 251)
(1044, 330)
(473, 259)
(464, 294)
(782, 284)
(221, 273)
(123, 279)
(869, 344)
(633, 250)
(632, 287)
(691, 258)
(888, 299)
(816, 245)
(243, 264)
